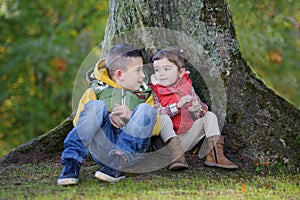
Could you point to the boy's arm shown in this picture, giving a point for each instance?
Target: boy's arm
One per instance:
(86, 97)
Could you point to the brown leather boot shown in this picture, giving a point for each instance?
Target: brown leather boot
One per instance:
(216, 157)
(178, 161)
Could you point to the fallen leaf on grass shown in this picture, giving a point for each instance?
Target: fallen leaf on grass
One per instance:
(267, 164)
(243, 188)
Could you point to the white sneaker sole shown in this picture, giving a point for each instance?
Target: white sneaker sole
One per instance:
(68, 181)
(104, 177)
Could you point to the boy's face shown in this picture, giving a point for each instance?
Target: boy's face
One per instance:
(166, 72)
(133, 77)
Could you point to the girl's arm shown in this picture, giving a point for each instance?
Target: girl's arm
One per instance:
(170, 110)
(198, 108)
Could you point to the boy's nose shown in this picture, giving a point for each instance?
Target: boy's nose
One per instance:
(143, 74)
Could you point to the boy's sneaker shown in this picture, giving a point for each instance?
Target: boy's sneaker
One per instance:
(112, 173)
(109, 174)
(70, 173)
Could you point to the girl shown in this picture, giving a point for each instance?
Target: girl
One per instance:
(185, 119)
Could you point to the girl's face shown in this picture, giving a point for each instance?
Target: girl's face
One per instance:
(166, 72)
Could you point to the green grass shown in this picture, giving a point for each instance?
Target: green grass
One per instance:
(38, 181)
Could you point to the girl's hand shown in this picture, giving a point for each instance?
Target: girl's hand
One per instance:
(184, 100)
(197, 109)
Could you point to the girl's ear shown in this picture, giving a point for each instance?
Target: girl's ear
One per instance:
(182, 71)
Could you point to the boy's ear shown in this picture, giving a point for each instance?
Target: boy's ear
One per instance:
(119, 75)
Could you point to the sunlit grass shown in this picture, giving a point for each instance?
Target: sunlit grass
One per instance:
(39, 182)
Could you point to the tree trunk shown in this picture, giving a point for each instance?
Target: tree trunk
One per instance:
(258, 124)
(46, 146)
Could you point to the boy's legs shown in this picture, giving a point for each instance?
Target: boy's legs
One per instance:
(79, 138)
(134, 138)
(132, 142)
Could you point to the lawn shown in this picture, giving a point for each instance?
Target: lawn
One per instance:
(38, 181)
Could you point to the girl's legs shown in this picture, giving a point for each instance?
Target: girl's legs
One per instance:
(204, 126)
(172, 142)
(213, 143)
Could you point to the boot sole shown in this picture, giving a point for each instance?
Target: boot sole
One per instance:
(68, 181)
(221, 166)
(178, 166)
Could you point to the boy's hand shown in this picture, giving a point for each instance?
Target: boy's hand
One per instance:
(185, 99)
(120, 115)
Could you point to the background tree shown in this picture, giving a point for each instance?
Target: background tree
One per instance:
(42, 44)
(259, 124)
(269, 38)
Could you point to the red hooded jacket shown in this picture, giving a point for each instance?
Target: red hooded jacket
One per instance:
(167, 95)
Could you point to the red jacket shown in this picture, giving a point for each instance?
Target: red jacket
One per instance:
(167, 95)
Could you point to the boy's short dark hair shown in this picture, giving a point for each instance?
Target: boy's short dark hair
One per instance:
(115, 57)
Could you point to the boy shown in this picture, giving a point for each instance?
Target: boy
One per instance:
(114, 119)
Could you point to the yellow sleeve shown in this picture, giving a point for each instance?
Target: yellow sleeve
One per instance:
(86, 97)
(156, 128)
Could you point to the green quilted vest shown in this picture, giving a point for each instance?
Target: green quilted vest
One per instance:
(111, 96)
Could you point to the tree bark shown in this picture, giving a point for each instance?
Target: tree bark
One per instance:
(258, 124)
(44, 147)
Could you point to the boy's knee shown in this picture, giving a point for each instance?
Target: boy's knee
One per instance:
(145, 109)
(143, 106)
(95, 105)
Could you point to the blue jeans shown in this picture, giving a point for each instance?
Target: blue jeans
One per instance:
(94, 133)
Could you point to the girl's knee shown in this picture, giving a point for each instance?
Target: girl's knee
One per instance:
(211, 115)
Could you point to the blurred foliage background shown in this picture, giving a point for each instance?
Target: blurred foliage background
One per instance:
(43, 44)
(269, 38)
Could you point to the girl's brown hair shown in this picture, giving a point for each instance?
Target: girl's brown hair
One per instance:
(178, 57)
